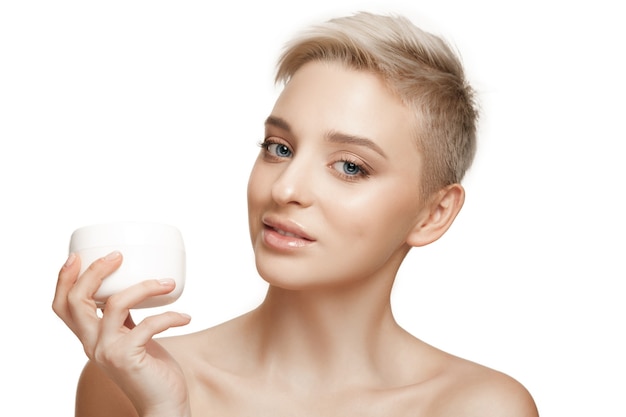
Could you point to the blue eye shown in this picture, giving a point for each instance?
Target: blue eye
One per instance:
(350, 168)
(277, 149)
(282, 150)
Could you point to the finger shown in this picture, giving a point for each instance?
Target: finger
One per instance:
(81, 304)
(117, 307)
(89, 282)
(153, 325)
(67, 277)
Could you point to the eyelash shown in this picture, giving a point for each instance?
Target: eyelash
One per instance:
(265, 145)
(362, 171)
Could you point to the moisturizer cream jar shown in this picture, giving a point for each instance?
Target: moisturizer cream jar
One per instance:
(149, 250)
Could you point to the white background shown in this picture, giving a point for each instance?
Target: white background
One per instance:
(151, 110)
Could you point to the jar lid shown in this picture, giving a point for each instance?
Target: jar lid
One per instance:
(126, 233)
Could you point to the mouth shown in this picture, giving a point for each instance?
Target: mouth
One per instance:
(288, 234)
(285, 234)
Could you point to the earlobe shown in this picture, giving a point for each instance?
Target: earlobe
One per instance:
(439, 215)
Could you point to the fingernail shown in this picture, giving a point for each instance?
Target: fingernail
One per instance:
(111, 256)
(70, 260)
(167, 282)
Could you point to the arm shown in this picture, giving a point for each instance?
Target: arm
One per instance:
(98, 396)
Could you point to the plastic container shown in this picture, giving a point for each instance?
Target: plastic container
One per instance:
(150, 251)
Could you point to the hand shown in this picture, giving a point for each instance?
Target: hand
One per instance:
(144, 370)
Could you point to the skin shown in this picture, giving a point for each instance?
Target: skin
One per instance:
(324, 341)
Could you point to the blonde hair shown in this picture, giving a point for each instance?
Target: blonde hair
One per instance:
(419, 67)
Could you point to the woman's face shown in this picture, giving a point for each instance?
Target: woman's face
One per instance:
(334, 191)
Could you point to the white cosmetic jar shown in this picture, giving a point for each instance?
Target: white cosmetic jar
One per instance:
(149, 250)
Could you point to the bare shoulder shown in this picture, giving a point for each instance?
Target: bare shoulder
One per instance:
(98, 396)
(469, 390)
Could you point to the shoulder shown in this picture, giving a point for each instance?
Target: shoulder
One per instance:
(98, 396)
(474, 390)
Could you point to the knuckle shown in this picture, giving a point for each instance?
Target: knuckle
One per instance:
(64, 274)
(74, 297)
(109, 357)
(149, 323)
(148, 285)
(100, 355)
(96, 265)
(114, 303)
(57, 303)
(58, 307)
(66, 277)
(152, 324)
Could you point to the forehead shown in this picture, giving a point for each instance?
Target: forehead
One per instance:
(326, 96)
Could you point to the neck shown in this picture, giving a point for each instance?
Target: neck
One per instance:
(342, 331)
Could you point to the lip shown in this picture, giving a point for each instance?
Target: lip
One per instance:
(284, 233)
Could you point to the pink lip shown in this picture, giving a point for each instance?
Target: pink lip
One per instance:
(284, 234)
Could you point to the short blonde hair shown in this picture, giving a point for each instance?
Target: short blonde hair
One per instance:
(419, 67)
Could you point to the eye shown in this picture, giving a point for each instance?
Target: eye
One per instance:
(275, 149)
(349, 169)
(279, 150)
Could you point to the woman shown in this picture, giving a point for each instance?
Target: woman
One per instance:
(362, 160)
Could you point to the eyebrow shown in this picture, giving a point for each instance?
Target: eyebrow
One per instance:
(278, 122)
(338, 137)
(332, 136)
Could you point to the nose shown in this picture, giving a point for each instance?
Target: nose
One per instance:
(294, 184)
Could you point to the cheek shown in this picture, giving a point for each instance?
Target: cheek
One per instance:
(384, 216)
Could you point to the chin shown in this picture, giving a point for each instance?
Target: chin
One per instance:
(290, 282)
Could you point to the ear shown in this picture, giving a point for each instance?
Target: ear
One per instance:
(438, 215)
